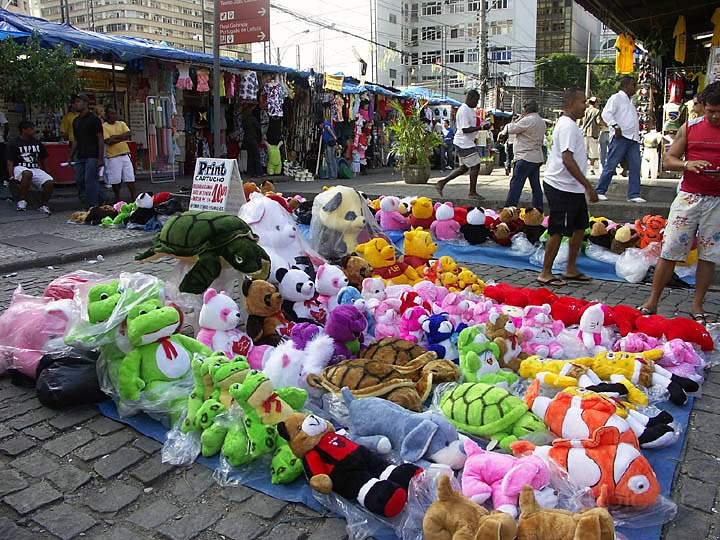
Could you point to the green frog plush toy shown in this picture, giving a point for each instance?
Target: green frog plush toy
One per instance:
(479, 358)
(159, 356)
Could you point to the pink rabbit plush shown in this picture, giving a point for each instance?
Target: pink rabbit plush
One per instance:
(411, 325)
(636, 342)
(329, 279)
(502, 477)
(455, 305)
(539, 332)
(682, 359)
(445, 227)
(389, 215)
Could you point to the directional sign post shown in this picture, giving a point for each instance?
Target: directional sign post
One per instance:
(244, 21)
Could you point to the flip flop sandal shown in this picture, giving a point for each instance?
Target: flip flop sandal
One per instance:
(701, 318)
(579, 277)
(645, 311)
(552, 282)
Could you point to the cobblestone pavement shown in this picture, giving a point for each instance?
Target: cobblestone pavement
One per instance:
(75, 473)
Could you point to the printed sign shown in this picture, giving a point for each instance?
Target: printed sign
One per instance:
(244, 21)
(333, 83)
(217, 186)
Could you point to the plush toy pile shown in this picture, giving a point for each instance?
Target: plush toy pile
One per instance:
(516, 393)
(148, 212)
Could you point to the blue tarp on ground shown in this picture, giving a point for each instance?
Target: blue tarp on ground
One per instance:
(664, 461)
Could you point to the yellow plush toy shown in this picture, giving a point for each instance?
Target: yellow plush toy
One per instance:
(383, 258)
(419, 248)
(468, 279)
(423, 213)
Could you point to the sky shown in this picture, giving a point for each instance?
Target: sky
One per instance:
(286, 32)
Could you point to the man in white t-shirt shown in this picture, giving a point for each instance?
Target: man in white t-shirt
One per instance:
(565, 187)
(464, 142)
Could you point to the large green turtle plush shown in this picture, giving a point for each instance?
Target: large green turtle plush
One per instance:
(159, 356)
(490, 412)
(205, 238)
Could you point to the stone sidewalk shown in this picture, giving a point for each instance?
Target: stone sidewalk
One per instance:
(67, 474)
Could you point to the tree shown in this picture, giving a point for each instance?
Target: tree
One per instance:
(605, 82)
(561, 70)
(37, 76)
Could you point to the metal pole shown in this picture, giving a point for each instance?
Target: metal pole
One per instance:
(587, 67)
(202, 14)
(483, 53)
(115, 89)
(216, 78)
(297, 57)
(279, 61)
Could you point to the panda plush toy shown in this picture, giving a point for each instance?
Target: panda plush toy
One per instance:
(145, 210)
(300, 302)
(476, 230)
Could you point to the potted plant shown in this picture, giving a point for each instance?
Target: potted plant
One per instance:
(413, 145)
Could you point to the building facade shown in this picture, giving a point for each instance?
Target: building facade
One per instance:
(564, 27)
(18, 6)
(178, 23)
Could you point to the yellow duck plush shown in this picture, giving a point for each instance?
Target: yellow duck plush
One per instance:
(383, 258)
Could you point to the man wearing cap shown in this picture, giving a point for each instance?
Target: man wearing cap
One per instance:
(591, 130)
(88, 151)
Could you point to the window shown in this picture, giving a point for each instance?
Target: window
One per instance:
(414, 59)
(431, 33)
(496, 4)
(501, 54)
(393, 18)
(455, 56)
(457, 31)
(473, 5)
(414, 37)
(455, 6)
(432, 8)
(430, 57)
(393, 73)
(499, 28)
(455, 82)
(413, 12)
(472, 56)
(473, 29)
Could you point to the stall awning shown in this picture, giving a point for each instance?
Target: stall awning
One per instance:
(419, 92)
(8, 31)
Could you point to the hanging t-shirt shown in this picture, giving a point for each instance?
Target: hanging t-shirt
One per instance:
(26, 153)
(680, 39)
(625, 56)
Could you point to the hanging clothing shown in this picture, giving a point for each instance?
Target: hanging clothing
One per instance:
(676, 88)
(249, 86)
(203, 80)
(625, 56)
(184, 81)
(275, 98)
(680, 36)
(715, 19)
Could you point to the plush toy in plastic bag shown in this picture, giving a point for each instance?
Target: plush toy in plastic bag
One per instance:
(341, 219)
(601, 254)
(632, 265)
(68, 378)
(32, 327)
(65, 287)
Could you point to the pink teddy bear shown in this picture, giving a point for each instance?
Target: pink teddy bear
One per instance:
(387, 319)
(502, 477)
(445, 227)
(680, 358)
(636, 342)
(480, 313)
(455, 305)
(429, 292)
(410, 324)
(389, 215)
(539, 332)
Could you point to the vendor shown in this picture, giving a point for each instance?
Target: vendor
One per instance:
(118, 165)
(26, 164)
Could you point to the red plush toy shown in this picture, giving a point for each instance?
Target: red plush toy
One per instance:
(568, 310)
(625, 318)
(678, 327)
(461, 213)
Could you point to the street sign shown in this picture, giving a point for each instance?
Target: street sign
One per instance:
(217, 186)
(244, 21)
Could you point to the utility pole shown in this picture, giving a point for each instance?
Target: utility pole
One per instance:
(483, 53)
(297, 57)
(202, 12)
(216, 78)
(279, 61)
(587, 67)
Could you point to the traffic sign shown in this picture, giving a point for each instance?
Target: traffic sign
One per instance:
(244, 21)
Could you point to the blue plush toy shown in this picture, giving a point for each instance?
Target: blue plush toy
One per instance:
(421, 438)
(442, 336)
(350, 295)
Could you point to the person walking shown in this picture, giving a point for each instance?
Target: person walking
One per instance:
(448, 136)
(118, 165)
(252, 140)
(529, 132)
(566, 189)
(468, 154)
(26, 163)
(591, 126)
(695, 212)
(330, 140)
(88, 151)
(622, 117)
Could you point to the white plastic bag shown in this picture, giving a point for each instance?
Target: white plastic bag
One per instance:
(601, 254)
(633, 265)
(520, 245)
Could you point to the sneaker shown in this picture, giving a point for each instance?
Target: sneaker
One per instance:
(637, 200)
(21, 206)
(44, 210)
(602, 197)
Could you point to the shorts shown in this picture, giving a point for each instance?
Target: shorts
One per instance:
(119, 169)
(692, 214)
(470, 157)
(39, 177)
(592, 145)
(568, 211)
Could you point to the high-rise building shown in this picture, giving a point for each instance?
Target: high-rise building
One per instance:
(17, 6)
(176, 22)
(565, 27)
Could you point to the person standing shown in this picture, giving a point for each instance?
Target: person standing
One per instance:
(4, 131)
(695, 212)
(465, 148)
(566, 188)
(622, 117)
(26, 164)
(529, 132)
(118, 165)
(66, 125)
(591, 126)
(88, 151)
(330, 141)
(509, 147)
(448, 136)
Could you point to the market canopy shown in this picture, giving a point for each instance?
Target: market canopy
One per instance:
(419, 92)
(8, 31)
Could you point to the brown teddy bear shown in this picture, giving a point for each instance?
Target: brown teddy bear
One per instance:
(455, 517)
(537, 523)
(501, 330)
(532, 219)
(334, 463)
(599, 233)
(356, 269)
(266, 324)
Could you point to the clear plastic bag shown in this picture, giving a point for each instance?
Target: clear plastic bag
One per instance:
(361, 524)
(67, 285)
(31, 327)
(633, 265)
(601, 254)
(538, 257)
(520, 245)
(181, 448)
(663, 511)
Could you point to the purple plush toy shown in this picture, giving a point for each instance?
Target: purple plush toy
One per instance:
(346, 325)
(303, 333)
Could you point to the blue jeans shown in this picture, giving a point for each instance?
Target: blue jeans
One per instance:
(622, 149)
(86, 178)
(522, 171)
(331, 162)
(603, 143)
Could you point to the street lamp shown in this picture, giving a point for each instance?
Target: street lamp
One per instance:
(284, 45)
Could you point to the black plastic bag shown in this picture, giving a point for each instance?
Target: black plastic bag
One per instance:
(170, 207)
(68, 378)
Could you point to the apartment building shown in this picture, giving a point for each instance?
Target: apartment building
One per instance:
(565, 27)
(176, 22)
(17, 6)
